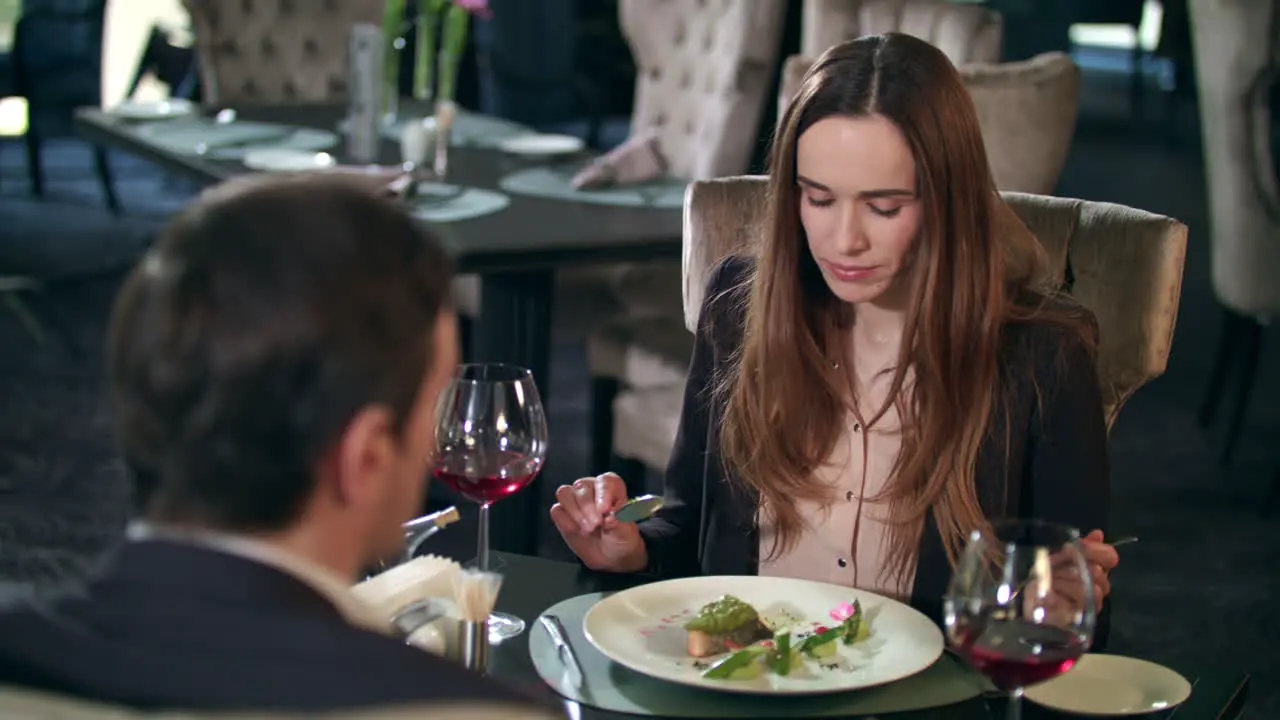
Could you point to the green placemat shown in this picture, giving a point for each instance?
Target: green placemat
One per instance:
(554, 183)
(609, 686)
(440, 203)
(230, 141)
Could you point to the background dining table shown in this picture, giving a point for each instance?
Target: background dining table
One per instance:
(531, 585)
(516, 251)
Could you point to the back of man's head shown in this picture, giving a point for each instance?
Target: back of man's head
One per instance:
(270, 312)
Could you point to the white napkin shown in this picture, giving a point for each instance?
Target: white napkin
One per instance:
(637, 160)
(429, 576)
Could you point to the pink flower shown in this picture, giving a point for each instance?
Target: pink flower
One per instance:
(478, 7)
(843, 612)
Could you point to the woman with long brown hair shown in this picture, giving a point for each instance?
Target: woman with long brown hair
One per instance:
(887, 376)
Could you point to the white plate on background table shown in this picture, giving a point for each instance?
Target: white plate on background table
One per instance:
(642, 629)
(173, 107)
(1112, 685)
(540, 145)
(287, 160)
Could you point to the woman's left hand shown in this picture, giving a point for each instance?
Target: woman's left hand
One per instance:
(1102, 559)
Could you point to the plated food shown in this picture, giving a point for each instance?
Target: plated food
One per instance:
(757, 646)
(747, 634)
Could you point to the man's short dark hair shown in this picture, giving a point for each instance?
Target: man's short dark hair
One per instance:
(269, 312)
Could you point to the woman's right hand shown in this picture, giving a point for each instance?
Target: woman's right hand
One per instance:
(602, 543)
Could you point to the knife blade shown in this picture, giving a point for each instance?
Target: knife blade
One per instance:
(555, 630)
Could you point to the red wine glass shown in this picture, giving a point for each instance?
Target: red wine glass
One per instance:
(491, 439)
(1020, 608)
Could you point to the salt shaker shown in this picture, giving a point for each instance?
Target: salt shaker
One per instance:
(364, 92)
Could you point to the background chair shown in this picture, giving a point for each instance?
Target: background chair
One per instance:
(705, 72)
(55, 64)
(1237, 52)
(966, 32)
(274, 52)
(1124, 265)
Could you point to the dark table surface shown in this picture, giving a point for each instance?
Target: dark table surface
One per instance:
(530, 232)
(531, 585)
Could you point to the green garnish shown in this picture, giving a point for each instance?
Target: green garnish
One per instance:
(781, 656)
(719, 617)
(740, 665)
(811, 644)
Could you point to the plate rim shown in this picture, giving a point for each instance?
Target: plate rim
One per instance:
(505, 145)
(189, 108)
(244, 159)
(746, 690)
(1185, 687)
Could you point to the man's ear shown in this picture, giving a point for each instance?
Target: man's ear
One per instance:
(365, 455)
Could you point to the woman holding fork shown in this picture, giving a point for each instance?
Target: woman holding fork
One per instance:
(887, 377)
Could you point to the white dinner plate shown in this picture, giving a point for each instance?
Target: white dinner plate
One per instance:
(173, 107)
(1111, 685)
(642, 629)
(287, 160)
(540, 145)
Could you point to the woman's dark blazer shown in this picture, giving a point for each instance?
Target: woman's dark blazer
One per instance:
(1057, 466)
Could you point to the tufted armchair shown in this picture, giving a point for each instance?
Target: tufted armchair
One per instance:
(275, 51)
(1125, 265)
(967, 33)
(1027, 111)
(1237, 53)
(704, 70)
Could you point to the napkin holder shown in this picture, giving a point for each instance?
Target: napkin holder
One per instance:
(417, 598)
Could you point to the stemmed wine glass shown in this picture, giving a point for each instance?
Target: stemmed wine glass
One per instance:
(1020, 608)
(491, 441)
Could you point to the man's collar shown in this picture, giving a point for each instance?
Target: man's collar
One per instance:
(323, 581)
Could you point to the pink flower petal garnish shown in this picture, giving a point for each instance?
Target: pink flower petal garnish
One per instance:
(843, 612)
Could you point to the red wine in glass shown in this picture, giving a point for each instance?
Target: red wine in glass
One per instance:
(1016, 654)
(1020, 607)
(491, 441)
(495, 485)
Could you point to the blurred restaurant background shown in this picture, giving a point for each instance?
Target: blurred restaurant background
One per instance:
(1156, 107)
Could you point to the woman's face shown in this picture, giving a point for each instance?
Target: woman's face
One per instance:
(859, 205)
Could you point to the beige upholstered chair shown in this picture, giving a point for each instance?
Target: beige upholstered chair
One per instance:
(1237, 51)
(22, 704)
(1027, 110)
(276, 51)
(704, 69)
(1123, 264)
(966, 32)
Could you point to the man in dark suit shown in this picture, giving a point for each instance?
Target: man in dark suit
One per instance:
(275, 361)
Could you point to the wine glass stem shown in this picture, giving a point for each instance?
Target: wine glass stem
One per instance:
(1013, 711)
(482, 559)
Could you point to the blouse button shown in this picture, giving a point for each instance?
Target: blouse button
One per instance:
(848, 495)
(842, 562)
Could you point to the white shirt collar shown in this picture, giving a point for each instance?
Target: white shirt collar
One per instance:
(327, 583)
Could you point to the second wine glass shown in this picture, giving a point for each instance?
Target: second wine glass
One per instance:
(491, 438)
(1021, 607)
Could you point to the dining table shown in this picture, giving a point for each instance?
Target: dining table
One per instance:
(516, 251)
(531, 585)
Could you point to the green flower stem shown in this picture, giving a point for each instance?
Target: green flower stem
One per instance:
(428, 29)
(392, 31)
(456, 22)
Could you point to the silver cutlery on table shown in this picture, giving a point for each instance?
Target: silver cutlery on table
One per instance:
(555, 629)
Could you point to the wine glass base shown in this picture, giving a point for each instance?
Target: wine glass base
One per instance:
(503, 627)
